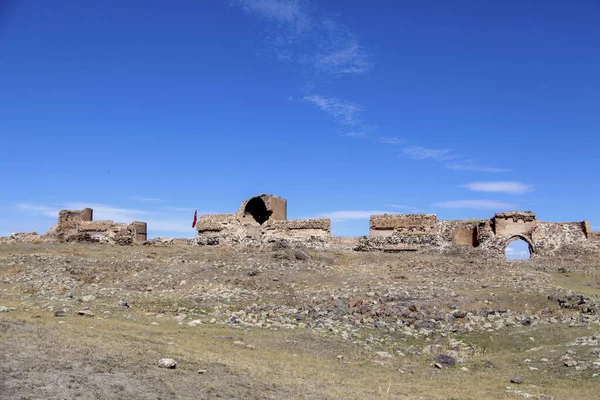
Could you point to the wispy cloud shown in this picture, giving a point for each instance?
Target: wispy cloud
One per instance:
(344, 112)
(168, 219)
(340, 53)
(349, 215)
(391, 140)
(297, 34)
(424, 153)
(515, 254)
(459, 162)
(470, 166)
(476, 205)
(107, 212)
(509, 187)
(40, 210)
(147, 199)
(359, 133)
(287, 14)
(403, 207)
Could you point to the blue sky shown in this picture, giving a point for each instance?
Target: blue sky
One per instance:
(150, 110)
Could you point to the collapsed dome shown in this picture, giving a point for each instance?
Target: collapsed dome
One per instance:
(257, 208)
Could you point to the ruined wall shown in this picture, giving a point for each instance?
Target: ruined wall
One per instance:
(78, 226)
(264, 218)
(465, 236)
(408, 224)
(298, 229)
(259, 219)
(552, 235)
(424, 232)
(276, 207)
(70, 219)
(514, 223)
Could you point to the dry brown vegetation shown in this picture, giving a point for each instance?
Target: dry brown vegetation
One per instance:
(338, 325)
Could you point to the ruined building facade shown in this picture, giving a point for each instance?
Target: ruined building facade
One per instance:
(263, 218)
(419, 231)
(260, 218)
(79, 226)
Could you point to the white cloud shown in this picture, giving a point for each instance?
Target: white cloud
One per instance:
(147, 199)
(349, 215)
(107, 212)
(356, 134)
(34, 209)
(342, 111)
(286, 14)
(165, 219)
(476, 204)
(298, 35)
(509, 187)
(469, 166)
(339, 52)
(424, 153)
(403, 207)
(517, 250)
(391, 140)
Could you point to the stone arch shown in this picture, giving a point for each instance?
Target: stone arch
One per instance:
(527, 240)
(257, 209)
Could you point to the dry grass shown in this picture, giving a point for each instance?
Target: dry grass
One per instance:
(114, 355)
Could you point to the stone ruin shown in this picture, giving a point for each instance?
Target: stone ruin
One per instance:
(263, 219)
(79, 226)
(399, 232)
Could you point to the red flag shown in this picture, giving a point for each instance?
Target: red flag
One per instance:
(195, 219)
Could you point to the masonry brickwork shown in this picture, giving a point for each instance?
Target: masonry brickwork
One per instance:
(79, 226)
(263, 218)
(422, 232)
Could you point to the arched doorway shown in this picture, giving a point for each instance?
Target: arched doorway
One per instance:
(256, 208)
(518, 248)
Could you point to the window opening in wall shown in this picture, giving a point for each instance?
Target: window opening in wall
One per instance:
(257, 209)
(517, 250)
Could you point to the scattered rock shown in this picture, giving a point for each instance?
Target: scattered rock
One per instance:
(202, 371)
(89, 297)
(445, 360)
(4, 309)
(85, 313)
(123, 304)
(517, 379)
(384, 354)
(570, 363)
(167, 363)
(300, 255)
(59, 313)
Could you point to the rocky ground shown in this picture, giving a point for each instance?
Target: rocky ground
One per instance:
(282, 321)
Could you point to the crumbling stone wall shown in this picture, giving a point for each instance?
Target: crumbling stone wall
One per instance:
(514, 223)
(298, 229)
(78, 226)
(263, 218)
(260, 218)
(406, 224)
(273, 207)
(424, 232)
